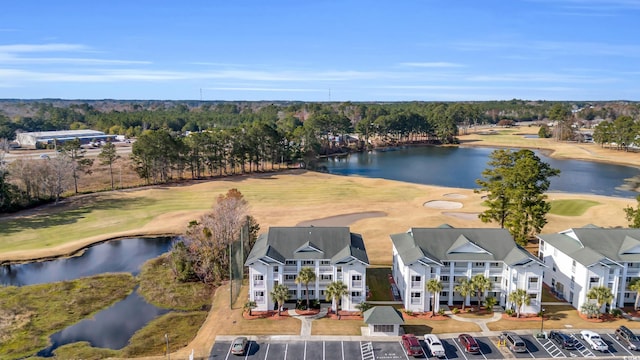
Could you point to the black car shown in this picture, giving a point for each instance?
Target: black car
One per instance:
(563, 340)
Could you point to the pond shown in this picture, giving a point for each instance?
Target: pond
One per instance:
(112, 327)
(461, 166)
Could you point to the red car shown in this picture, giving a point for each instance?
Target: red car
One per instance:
(411, 345)
(469, 344)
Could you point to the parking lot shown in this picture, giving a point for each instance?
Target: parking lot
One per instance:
(380, 350)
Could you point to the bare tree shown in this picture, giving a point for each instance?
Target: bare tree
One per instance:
(208, 239)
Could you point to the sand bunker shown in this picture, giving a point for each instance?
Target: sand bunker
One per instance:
(462, 215)
(455, 196)
(443, 205)
(342, 220)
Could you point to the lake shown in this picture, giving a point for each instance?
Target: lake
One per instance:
(461, 166)
(112, 327)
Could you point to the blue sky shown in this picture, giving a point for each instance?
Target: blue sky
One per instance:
(321, 50)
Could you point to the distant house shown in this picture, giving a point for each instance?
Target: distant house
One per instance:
(334, 253)
(383, 320)
(579, 259)
(449, 255)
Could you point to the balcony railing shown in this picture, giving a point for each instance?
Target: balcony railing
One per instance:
(356, 283)
(326, 269)
(291, 268)
(534, 286)
(258, 283)
(259, 299)
(416, 301)
(416, 284)
(459, 270)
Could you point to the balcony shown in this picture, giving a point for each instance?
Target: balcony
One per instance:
(326, 269)
(416, 284)
(291, 269)
(258, 283)
(458, 270)
(356, 284)
(416, 301)
(533, 287)
(259, 299)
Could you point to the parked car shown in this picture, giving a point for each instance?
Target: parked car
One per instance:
(239, 345)
(514, 342)
(627, 338)
(565, 341)
(435, 345)
(469, 344)
(594, 340)
(411, 345)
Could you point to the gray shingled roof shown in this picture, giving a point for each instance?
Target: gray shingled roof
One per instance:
(595, 244)
(451, 244)
(335, 243)
(383, 315)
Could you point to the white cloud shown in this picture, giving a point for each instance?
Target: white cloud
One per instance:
(431, 64)
(29, 48)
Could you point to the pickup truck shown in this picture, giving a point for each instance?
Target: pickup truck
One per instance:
(594, 340)
(435, 345)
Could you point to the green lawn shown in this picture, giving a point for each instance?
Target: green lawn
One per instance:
(379, 284)
(571, 207)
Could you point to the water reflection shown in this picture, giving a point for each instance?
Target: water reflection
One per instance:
(110, 328)
(461, 166)
(125, 255)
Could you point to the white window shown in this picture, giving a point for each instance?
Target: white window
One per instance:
(356, 294)
(290, 277)
(258, 279)
(308, 262)
(276, 269)
(444, 278)
(311, 292)
(416, 278)
(533, 283)
(416, 298)
(383, 328)
(290, 262)
(326, 277)
(325, 262)
(258, 297)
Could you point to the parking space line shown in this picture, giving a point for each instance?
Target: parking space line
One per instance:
(455, 342)
(286, 348)
(613, 339)
(366, 351)
(583, 350)
(246, 355)
(323, 344)
(342, 345)
(551, 348)
(229, 351)
(267, 352)
(403, 350)
(305, 350)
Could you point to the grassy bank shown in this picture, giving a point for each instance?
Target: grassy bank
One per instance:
(30, 314)
(159, 287)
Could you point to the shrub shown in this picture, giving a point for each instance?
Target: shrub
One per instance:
(616, 313)
(510, 312)
(408, 312)
(590, 310)
(441, 311)
(455, 311)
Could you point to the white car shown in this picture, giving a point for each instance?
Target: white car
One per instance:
(594, 340)
(435, 345)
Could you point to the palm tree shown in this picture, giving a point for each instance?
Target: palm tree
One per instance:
(602, 295)
(634, 285)
(305, 276)
(250, 305)
(520, 298)
(434, 286)
(481, 284)
(334, 291)
(280, 294)
(464, 288)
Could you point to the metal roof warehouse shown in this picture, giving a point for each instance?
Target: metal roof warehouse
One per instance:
(41, 139)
